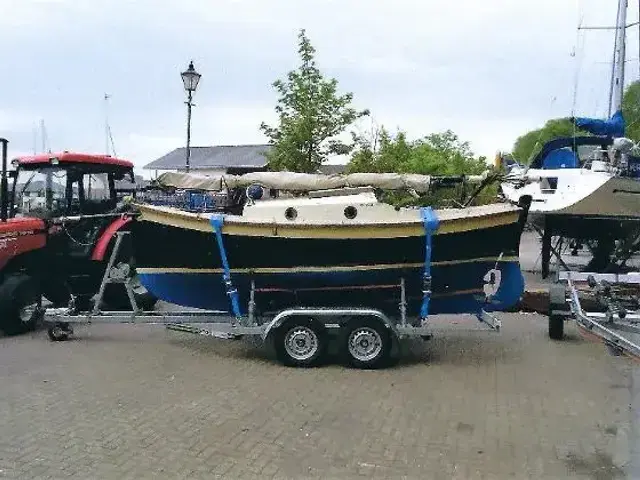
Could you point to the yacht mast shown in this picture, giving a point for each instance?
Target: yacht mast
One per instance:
(619, 59)
(108, 137)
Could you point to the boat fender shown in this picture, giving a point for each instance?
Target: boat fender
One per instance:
(217, 221)
(431, 223)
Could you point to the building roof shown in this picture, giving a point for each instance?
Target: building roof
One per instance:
(222, 157)
(215, 157)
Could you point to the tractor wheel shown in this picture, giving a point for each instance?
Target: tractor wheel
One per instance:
(20, 304)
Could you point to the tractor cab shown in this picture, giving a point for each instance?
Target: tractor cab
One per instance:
(59, 215)
(78, 198)
(67, 184)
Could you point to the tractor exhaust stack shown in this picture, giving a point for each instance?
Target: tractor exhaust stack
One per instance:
(4, 185)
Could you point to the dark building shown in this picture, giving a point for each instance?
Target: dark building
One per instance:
(219, 159)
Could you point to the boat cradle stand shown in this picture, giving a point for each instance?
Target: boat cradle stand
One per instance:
(617, 321)
(300, 334)
(606, 256)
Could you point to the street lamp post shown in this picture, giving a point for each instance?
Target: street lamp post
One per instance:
(190, 79)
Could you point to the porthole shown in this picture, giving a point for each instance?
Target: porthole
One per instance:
(350, 212)
(290, 213)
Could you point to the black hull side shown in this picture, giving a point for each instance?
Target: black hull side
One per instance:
(167, 247)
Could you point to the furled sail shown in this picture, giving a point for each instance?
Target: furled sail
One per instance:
(613, 127)
(301, 181)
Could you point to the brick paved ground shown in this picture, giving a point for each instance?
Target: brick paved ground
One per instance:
(142, 402)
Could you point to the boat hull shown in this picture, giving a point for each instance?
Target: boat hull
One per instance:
(183, 266)
(611, 209)
(456, 288)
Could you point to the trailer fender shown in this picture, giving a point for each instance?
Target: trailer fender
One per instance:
(103, 242)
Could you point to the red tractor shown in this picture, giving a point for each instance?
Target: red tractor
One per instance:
(59, 214)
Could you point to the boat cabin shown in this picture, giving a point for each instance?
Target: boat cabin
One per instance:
(594, 153)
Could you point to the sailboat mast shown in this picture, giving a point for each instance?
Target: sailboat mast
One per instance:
(106, 123)
(619, 59)
(109, 145)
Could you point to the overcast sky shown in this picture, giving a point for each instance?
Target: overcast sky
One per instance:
(489, 70)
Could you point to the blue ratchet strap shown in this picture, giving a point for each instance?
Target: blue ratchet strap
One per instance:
(216, 222)
(431, 224)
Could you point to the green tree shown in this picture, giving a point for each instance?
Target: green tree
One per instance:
(311, 115)
(444, 154)
(529, 144)
(631, 111)
(435, 154)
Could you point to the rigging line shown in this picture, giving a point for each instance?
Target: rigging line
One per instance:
(577, 55)
(107, 126)
(113, 145)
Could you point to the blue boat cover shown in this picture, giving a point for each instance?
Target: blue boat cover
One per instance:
(562, 158)
(567, 143)
(614, 127)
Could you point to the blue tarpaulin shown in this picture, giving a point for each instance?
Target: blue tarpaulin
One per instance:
(561, 159)
(614, 127)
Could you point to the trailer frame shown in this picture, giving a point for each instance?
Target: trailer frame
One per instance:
(363, 328)
(619, 313)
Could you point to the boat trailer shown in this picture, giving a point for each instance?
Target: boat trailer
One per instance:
(300, 335)
(615, 319)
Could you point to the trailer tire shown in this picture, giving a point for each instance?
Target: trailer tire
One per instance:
(558, 311)
(301, 342)
(366, 344)
(20, 304)
(556, 327)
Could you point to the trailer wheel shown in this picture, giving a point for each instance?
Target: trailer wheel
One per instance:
(557, 311)
(367, 344)
(301, 342)
(20, 304)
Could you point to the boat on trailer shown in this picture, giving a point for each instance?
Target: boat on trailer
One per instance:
(298, 271)
(329, 248)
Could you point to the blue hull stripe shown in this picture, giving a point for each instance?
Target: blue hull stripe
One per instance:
(457, 288)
